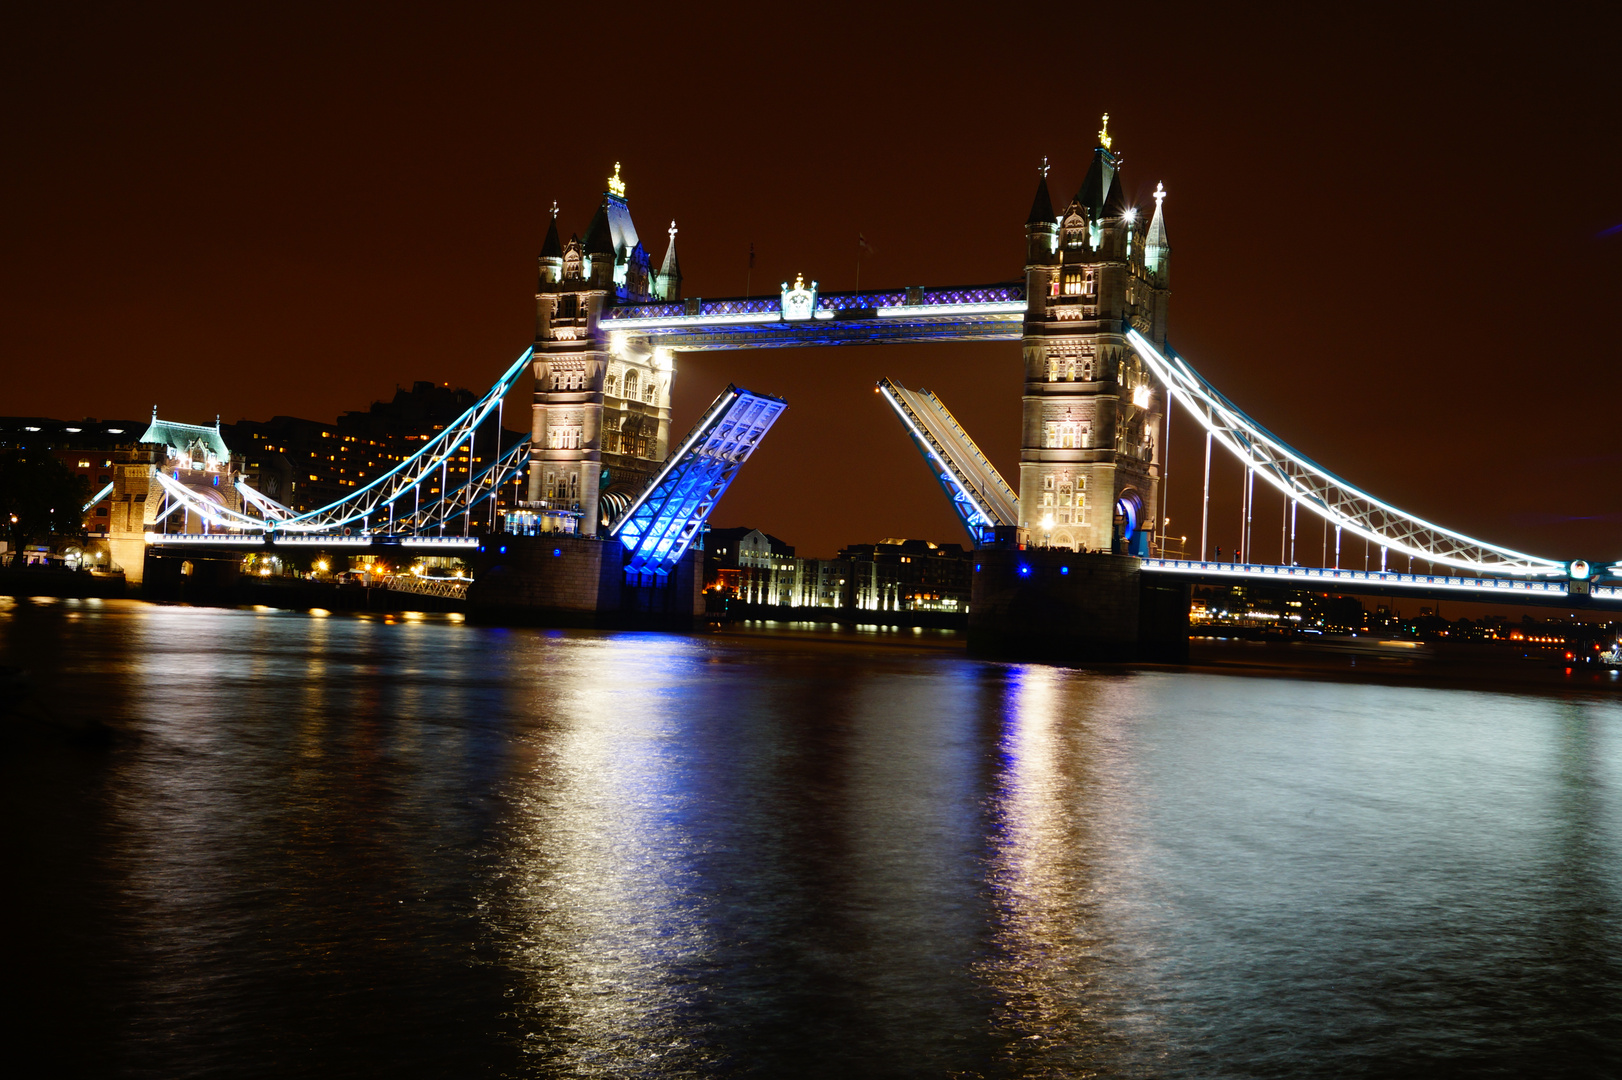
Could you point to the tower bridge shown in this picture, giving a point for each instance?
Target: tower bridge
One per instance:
(1099, 382)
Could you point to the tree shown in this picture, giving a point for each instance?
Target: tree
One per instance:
(41, 499)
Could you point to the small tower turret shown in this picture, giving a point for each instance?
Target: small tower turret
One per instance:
(669, 287)
(552, 252)
(1041, 239)
(1156, 248)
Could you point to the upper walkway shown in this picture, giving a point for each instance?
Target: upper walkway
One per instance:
(804, 316)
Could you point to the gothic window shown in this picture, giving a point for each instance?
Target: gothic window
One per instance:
(1047, 483)
(1073, 280)
(1089, 284)
(1053, 369)
(1070, 369)
(1087, 370)
(611, 384)
(631, 384)
(1047, 498)
(563, 438)
(649, 391)
(574, 487)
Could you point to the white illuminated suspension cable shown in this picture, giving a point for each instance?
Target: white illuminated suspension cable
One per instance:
(1321, 491)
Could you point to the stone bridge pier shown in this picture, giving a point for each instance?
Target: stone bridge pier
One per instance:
(1058, 606)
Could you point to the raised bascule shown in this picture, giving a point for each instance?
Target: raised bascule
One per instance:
(1068, 563)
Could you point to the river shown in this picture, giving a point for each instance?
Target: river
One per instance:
(410, 846)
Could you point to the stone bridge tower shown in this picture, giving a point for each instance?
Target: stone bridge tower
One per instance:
(601, 423)
(1090, 454)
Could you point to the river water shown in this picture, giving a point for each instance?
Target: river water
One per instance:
(408, 846)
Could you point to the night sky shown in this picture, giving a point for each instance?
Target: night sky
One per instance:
(1397, 238)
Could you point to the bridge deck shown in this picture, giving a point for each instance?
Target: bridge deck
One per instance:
(980, 497)
(664, 520)
(221, 541)
(1481, 589)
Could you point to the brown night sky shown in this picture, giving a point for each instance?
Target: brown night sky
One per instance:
(1390, 231)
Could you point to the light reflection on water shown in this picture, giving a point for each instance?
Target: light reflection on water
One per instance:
(352, 846)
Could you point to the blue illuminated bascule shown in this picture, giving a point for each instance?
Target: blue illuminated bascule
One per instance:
(603, 510)
(663, 522)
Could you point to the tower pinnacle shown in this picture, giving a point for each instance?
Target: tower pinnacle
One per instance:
(616, 186)
(1104, 138)
(669, 276)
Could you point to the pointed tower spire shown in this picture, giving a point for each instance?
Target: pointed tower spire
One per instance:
(1115, 201)
(599, 236)
(1156, 248)
(552, 247)
(1042, 205)
(670, 270)
(1100, 175)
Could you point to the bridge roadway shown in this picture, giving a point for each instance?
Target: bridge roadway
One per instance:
(1489, 590)
(361, 543)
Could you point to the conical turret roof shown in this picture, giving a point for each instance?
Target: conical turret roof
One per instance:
(599, 237)
(1155, 244)
(1042, 205)
(1115, 200)
(1095, 188)
(552, 248)
(670, 269)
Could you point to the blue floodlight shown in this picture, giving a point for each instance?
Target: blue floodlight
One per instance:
(1024, 569)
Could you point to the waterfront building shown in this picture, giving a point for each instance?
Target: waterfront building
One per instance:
(897, 575)
(94, 449)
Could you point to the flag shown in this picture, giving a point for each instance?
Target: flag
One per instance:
(863, 246)
(751, 256)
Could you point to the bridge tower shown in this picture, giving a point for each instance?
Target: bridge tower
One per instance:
(601, 422)
(1090, 447)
